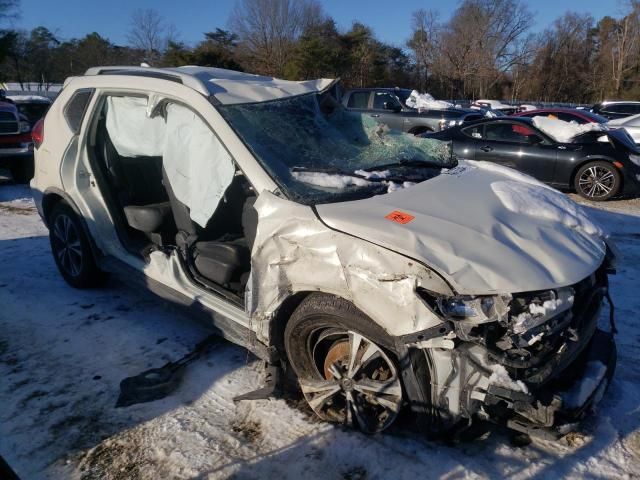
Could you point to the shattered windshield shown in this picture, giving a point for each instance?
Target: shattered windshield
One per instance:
(328, 154)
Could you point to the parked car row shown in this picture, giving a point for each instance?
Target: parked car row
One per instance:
(598, 165)
(389, 106)
(596, 169)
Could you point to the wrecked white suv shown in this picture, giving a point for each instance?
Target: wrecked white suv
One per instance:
(370, 263)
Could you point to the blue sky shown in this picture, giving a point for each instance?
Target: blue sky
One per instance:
(390, 20)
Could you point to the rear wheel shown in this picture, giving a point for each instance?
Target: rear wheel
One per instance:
(71, 249)
(344, 372)
(598, 181)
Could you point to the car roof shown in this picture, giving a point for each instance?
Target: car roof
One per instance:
(506, 118)
(612, 102)
(228, 87)
(550, 109)
(29, 99)
(387, 89)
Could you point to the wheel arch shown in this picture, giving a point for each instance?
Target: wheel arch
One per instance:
(51, 198)
(285, 310)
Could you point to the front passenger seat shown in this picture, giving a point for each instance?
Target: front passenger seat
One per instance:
(220, 262)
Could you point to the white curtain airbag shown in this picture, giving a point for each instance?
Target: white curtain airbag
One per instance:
(197, 165)
(131, 131)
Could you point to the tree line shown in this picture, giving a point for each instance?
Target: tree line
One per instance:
(487, 48)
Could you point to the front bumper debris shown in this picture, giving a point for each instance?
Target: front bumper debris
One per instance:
(554, 410)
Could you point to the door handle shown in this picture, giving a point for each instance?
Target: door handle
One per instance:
(486, 148)
(375, 115)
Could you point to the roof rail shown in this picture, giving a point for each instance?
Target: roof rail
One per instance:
(162, 73)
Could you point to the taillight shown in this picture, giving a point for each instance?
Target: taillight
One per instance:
(37, 133)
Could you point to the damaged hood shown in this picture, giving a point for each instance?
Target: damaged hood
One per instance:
(486, 229)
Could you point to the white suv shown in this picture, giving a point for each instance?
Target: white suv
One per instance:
(387, 275)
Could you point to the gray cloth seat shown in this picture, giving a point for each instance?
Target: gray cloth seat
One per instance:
(147, 218)
(221, 262)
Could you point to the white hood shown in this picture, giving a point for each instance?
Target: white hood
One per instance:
(486, 229)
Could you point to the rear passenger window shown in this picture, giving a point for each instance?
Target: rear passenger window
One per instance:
(75, 109)
(359, 100)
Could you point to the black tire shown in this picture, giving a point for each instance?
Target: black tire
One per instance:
(71, 249)
(597, 181)
(319, 339)
(22, 170)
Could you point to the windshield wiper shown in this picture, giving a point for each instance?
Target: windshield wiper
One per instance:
(337, 171)
(413, 163)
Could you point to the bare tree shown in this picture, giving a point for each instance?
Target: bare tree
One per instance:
(150, 33)
(625, 45)
(268, 30)
(424, 43)
(483, 41)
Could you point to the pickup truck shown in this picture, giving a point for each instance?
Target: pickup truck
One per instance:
(18, 114)
(16, 147)
(388, 106)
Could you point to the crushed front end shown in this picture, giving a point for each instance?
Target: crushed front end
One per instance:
(535, 362)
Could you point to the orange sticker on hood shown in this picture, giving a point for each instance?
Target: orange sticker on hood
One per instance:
(399, 217)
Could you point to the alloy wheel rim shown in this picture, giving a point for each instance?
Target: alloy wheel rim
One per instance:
(596, 182)
(357, 384)
(66, 244)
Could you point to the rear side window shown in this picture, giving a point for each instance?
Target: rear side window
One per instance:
(474, 132)
(625, 108)
(509, 132)
(359, 100)
(74, 110)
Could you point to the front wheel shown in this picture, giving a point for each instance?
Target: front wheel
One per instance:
(345, 374)
(598, 181)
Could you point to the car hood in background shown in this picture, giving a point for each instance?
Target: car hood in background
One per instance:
(486, 229)
(621, 138)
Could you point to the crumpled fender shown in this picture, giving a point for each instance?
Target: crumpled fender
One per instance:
(294, 252)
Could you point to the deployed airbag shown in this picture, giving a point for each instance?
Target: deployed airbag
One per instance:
(197, 165)
(132, 132)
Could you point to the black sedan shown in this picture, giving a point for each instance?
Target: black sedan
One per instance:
(596, 168)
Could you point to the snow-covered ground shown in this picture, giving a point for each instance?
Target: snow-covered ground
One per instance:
(63, 353)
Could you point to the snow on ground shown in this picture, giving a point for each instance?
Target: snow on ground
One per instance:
(63, 353)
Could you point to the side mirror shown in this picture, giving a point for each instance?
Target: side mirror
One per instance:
(394, 107)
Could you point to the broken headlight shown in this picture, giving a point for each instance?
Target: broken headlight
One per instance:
(476, 309)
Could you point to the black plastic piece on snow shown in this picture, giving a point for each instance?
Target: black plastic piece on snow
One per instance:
(158, 383)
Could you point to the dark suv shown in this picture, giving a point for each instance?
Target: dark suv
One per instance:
(613, 110)
(388, 106)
